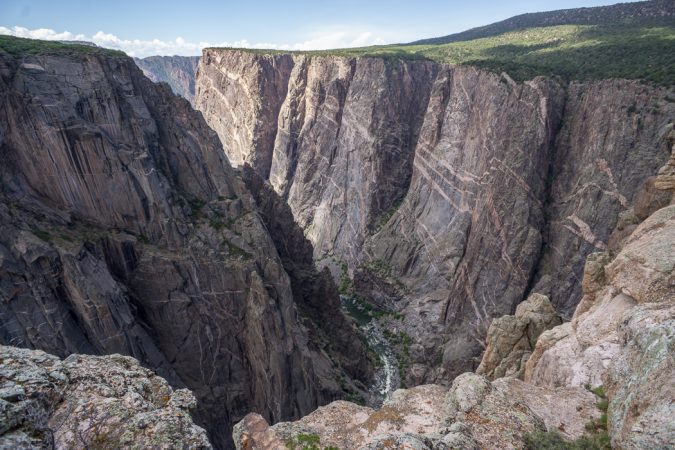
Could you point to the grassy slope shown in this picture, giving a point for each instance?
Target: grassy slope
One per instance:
(652, 13)
(572, 52)
(22, 47)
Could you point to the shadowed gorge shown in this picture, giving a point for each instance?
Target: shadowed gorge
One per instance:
(125, 230)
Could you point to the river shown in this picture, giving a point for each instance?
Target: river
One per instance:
(387, 378)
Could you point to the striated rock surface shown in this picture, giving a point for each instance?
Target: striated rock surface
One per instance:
(90, 402)
(511, 339)
(449, 193)
(180, 72)
(614, 137)
(298, 121)
(123, 229)
(242, 100)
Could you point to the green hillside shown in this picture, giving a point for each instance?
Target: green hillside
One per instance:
(571, 52)
(20, 47)
(645, 13)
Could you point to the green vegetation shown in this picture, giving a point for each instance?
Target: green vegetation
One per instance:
(356, 398)
(304, 441)
(196, 206)
(346, 286)
(571, 52)
(236, 251)
(217, 224)
(383, 270)
(387, 215)
(21, 47)
(598, 428)
(596, 437)
(42, 234)
(400, 342)
(378, 267)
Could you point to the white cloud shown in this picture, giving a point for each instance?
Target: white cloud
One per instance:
(327, 38)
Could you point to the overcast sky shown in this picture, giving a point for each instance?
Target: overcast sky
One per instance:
(144, 28)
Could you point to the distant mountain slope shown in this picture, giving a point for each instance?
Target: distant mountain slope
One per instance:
(178, 71)
(656, 12)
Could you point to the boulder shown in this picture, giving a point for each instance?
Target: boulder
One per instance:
(511, 339)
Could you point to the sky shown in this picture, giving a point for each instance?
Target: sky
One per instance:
(145, 28)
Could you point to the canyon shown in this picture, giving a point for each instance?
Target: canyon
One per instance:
(179, 72)
(601, 380)
(448, 193)
(261, 249)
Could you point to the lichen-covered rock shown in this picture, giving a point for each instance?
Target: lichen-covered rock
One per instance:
(346, 425)
(642, 273)
(665, 179)
(645, 268)
(622, 336)
(511, 339)
(475, 413)
(91, 402)
(640, 381)
(498, 414)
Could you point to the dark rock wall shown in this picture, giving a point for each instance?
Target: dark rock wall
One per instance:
(124, 229)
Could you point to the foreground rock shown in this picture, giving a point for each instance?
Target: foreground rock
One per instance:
(621, 336)
(474, 413)
(511, 339)
(90, 402)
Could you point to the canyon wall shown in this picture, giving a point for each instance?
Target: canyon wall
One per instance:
(180, 72)
(448, 193)
(124, 229)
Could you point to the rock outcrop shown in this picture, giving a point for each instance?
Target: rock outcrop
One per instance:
(511, 339)
(87, 402)
(123, 229)
(467, 191)
(180, 72)
(621, 336)
(473, 414)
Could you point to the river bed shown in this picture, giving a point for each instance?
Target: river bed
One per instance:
(387, 378)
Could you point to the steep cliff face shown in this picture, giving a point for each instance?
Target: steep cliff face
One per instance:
(242, 96)
(339, 134)
(449, 193)
(615, 136)
(180, 72)
(125, 230)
